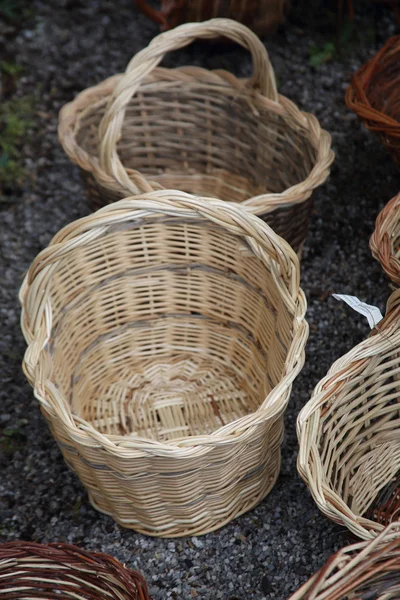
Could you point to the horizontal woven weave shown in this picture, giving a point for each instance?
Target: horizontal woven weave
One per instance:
(203, 132)
(349, 433)
(59, 571)
(164, 334)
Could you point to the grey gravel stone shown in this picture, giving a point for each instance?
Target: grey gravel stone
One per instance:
(65, 47)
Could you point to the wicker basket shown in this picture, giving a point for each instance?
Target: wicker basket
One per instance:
(262, 16)
(29, 570)
(385, 241)
(364, 571)
(374, 95)
(164, 335)
(349, 433)
(203, 132)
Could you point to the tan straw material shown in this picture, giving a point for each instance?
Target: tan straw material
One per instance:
(164, 334)
(29, 570)
(363, 571)
(262, 16)
(203, 132)
(385, 241)
(349, 433)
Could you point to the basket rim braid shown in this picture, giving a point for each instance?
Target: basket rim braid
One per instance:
(382, 241)
(25, 565)
(260, 90)
(363, 564)
(358, 94)
(36, 313)
(310, 422)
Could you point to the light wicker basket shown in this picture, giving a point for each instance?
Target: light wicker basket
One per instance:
(385, 241)
(164, 334)
(29, 570)
(349, 433)
(364, 571)
(262, 16)
(374, 95)
(203, 132)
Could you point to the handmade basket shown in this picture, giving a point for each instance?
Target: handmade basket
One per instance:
(385, 241)
(203, 132)
(374, 95)
(29, 570)
(262, 16)
(367, 570)
(164, 335)
(349, 433)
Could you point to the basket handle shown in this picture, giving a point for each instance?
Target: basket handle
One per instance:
(141, 65)
(158, 16)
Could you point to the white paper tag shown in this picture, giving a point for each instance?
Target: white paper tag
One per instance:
(372, 313)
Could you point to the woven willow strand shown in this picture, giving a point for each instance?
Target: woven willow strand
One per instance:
(349, 430)
(203, 132)
(385, 241)
(368, 570)
(164, 333)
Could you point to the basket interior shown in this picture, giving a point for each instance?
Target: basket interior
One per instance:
(209, 140)
(166, 329)
(360, 437)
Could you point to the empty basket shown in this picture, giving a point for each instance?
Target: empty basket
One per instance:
(374, 95)
(385, 241)
(363, 571)
(29, 570)
(203, 132)
(164, 335)
(263, 16)
(349, 433)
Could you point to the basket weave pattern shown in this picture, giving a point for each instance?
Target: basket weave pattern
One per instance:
(385, 241)
(263, 16)
(349, 433)
(164, 334)
(374, 95)
(202, 132)
(368, 570)
(30, 570)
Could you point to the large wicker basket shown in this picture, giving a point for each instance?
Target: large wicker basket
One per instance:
(363, 571)
(164, 335)
(385, 241)
(29, 570)
(349, 433)
(262, 16)
(374, 95)
(203, 132)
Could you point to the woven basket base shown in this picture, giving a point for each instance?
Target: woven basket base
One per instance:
(177, 398)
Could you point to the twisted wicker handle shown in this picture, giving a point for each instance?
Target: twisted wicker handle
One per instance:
(142, 65)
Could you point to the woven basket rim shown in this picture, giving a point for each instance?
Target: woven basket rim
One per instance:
(71, 113)
(349, 562)
(64, 552)
(234, 220)
(356, 96)
(381, 240)
(309, 417)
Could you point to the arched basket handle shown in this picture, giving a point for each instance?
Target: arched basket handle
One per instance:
(143, 63)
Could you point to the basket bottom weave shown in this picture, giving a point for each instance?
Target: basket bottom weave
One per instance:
(167, 399)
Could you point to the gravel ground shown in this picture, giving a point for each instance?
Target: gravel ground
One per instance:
(65, 47)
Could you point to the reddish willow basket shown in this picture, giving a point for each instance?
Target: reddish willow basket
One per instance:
(364, 571)
(58, 571)
(374, 95)
(263, 16)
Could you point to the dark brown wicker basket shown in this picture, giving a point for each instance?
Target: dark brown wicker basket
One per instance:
(374, 95)
(58, 571)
